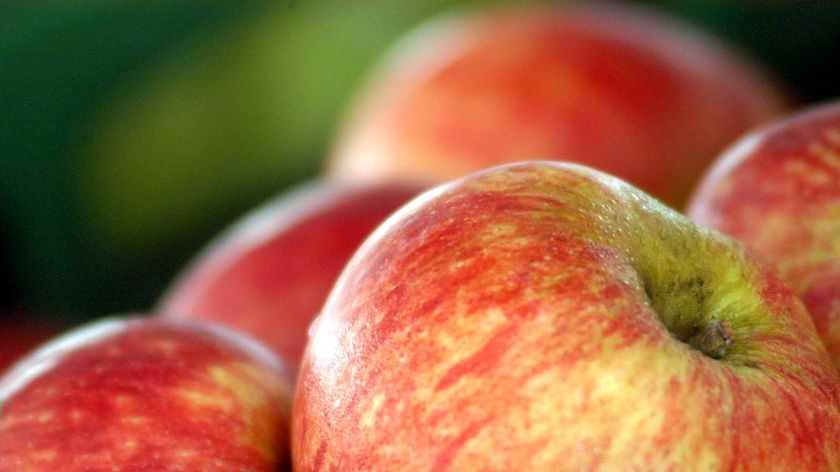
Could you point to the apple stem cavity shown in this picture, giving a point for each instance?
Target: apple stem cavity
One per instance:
(713, 339)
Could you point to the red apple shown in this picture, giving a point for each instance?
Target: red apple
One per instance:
(631, 92)
(146, 394)
(270, 273)
(546, 316)
(778, 190)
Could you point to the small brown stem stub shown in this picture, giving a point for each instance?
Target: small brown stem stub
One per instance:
(713, 339)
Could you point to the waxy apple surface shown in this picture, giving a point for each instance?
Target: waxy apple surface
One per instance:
(624, 90)
(136, 394)
(778, 191)
(270, 273)
(546, 316)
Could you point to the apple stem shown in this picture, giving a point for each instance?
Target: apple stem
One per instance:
(713, 339)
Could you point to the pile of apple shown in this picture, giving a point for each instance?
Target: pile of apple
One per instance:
(501, 277)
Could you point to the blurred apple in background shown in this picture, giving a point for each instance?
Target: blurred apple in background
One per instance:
(778, 191)
(146, 394)
(623, 89)
(270, 273)
(548, 317)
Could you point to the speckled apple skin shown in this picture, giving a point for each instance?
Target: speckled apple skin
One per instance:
(527, 318)
(635, 94)
(270, 273)
(778, 190)
(138, 394)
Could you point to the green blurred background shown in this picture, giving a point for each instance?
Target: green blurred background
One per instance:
(132, 133)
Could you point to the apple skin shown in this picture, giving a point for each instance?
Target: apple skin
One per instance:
(778, 191)
(532, 317)
(622, 89)
(133, 393)
(270, 273)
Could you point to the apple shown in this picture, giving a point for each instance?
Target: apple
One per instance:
(622, 89)
(137, 393)
(547, 316)
(778, 190)
(269, 274)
